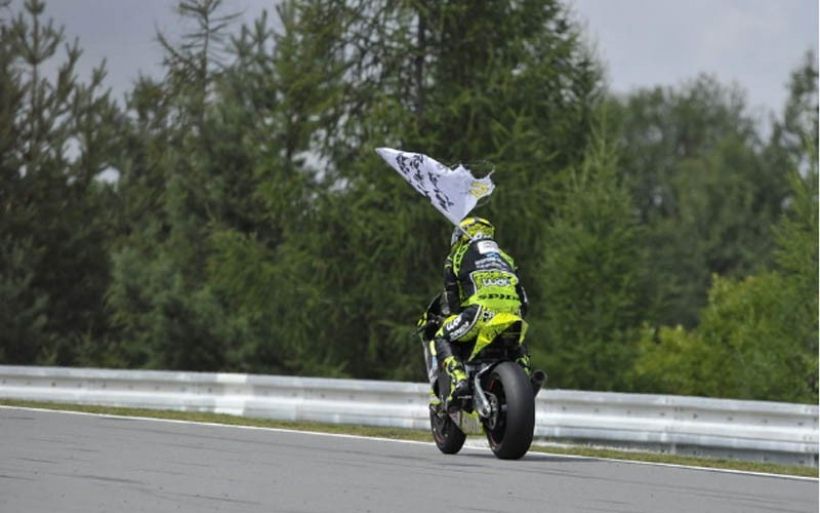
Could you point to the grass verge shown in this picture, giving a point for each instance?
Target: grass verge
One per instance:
(422, 436)
(679, 459)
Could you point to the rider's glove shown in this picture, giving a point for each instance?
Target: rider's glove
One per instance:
(429, 325)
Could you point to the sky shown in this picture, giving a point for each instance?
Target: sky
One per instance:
(643, 43)
(754, 43)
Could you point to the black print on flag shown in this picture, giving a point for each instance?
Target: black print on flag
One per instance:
(407, 166)
(442, 198)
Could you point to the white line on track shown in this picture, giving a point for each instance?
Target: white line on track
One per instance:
(474, 445)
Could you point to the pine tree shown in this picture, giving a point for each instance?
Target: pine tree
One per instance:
(591, 277)
(167, 315)
(503, 82)
(58, 137)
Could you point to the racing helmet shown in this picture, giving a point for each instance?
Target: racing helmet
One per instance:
(472, 228)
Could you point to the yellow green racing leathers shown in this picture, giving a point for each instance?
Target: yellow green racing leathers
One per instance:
(481, 281)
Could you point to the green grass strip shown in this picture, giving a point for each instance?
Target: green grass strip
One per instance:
(679, 459)
(422, 436)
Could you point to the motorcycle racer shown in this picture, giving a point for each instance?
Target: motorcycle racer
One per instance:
(480, 281)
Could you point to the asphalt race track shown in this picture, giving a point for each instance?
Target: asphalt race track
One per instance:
(61, 462)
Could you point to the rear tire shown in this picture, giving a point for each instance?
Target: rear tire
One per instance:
(510, 430)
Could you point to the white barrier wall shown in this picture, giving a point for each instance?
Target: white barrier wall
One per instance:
(760, 430)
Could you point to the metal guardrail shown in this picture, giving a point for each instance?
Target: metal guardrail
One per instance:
(768, 431)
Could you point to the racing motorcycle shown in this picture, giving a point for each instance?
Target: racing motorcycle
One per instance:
(501, 398)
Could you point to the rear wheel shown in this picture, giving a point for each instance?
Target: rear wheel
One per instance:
(510, 427)
(448, 437)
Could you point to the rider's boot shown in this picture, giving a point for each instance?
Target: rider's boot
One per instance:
(454, 369)
(458, 378)
(525, 363)
(432, 364)
(434, 401)
(537, 377)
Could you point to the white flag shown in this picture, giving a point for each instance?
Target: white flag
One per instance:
(454, 192)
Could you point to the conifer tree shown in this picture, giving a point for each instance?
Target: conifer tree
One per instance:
(591, 276)
(458, 82)
(58, 136)
(167, 315)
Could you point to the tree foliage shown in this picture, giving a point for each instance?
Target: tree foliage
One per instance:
(705, 188)
(757, 337)
(251, 227)
(591, 277)
(57, 136)
(372, 264)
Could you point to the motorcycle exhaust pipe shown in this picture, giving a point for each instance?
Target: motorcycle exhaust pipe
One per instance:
(537, 380)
